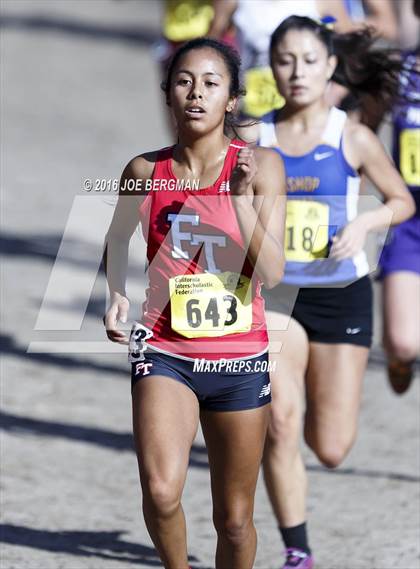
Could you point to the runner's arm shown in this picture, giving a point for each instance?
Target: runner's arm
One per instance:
(382, 17)
(223, 12)
(365, 153)
(370, 157)
(261, 213)
(123, 224)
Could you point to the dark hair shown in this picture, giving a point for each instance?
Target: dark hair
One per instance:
(362, 70)
(231, 60)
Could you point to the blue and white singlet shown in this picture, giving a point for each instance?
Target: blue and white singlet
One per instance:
(322, 197)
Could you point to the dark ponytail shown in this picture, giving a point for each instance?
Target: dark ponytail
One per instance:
(367, 71)
(363, 70)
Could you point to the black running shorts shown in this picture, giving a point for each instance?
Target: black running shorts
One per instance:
(328, 315)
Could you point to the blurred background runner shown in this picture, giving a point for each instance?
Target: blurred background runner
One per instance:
(255, 21)
(400, 259)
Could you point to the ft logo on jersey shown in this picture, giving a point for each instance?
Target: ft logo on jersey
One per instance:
(199, 239)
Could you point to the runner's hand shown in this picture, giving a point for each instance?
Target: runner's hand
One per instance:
(117, 312)
(349, 241)
(243, 173)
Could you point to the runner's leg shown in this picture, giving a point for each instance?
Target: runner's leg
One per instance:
(235, 442)
(284, 471)
(333, 386)
(165, 422)
(401, 300)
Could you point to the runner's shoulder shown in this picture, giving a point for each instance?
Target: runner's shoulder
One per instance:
(358, 134)
(270, 178)
(267, 157)
(139, 168)
(360, 143)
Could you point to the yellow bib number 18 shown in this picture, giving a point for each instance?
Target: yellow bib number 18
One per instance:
(306, 230)
(410, 156)
(210, 305)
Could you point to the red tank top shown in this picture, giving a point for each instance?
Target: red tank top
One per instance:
(204, 298)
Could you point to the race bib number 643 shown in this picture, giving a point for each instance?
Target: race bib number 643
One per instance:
(210, 305)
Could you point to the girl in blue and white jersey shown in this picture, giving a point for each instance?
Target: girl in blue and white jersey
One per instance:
(322, 311)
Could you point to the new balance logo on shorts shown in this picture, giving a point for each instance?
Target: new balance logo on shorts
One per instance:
(266, 390)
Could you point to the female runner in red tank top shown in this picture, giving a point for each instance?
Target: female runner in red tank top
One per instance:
(209, 250)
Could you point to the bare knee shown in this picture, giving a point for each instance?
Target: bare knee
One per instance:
(402, 348)
(332, 456)
(330, 452)
(234, 528)
(284, 426)
(161, 495)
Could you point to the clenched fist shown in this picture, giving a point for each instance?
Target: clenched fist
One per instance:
(243, 173)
